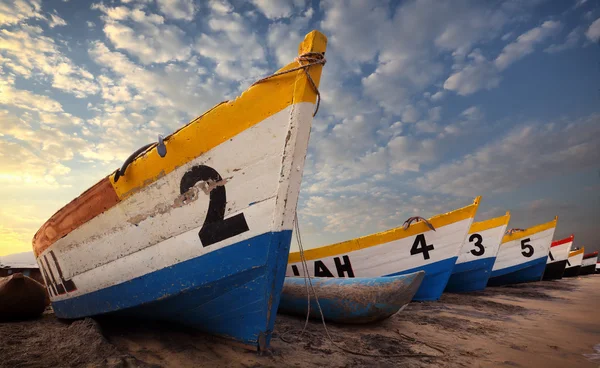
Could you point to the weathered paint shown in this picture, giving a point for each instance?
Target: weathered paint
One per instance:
(557, 258)
(478, 254)
(396, 251)
(201, 238)
(522, 255)
(353, 300)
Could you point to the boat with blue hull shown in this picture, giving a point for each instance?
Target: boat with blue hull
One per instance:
(478, 255)
(522, 255)
(350, 300)
(426, 245)
(195, 228)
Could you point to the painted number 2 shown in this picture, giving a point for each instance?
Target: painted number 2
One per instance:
(216, 227)
(480, 249)
(527, 248)
(420, 246)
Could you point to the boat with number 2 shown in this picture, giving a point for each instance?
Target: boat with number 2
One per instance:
(477, 256)
(522, 255)
(429, 245)
(195, 229)
(350, 300)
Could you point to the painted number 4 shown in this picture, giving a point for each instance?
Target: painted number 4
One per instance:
(421, 246)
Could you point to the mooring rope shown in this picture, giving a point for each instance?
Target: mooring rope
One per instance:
(311, 58)
(412, 219)
(308, 281)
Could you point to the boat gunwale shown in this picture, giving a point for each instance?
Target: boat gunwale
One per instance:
(529, 231)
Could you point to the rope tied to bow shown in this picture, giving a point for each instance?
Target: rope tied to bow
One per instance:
(412, 219)
(512, 231)
(310, 58)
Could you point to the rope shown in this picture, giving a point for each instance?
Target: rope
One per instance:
(308, 281)
(311, 58)
(410, 220)
(512, 231)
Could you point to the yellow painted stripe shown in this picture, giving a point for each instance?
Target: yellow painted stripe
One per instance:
(530, 231)
(490, 224)
(389, 235)
(225, 121)
(576, 252)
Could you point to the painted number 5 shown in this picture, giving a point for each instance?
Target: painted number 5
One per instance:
(216, 228)
(480, 249)
(527, 248)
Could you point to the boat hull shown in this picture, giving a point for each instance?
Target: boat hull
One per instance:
(555, 271)
(525, 272)
(470, 276)
(587, 270)
(21, 297)
(435, 280)
(350, 300)
(572, 271)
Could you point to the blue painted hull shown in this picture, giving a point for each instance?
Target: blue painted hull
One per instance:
(471, 276)
(350, 300)
(232, 292)
(524, 272)
(436, 278)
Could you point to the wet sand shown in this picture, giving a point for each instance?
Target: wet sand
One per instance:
(544, 324)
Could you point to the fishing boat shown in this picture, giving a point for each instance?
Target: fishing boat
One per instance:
(21, 297)
(522, 255)
(196, 228)
(574, 263)
(597, 267)
(588, 264)
(477, 255)
(349, 300)
(557, 258)
(419, 245)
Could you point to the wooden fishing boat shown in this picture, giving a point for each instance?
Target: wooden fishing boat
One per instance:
(21, 297)
(597, 267)
(588, 264)
(522, 255)
(557, 258)
(430, 245)
(574, 263)
(350, 300)
(200, 236)
(476, 259)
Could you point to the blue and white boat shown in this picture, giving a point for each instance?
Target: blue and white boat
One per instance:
(350, 300)
(429, 245)
(196, 228)
(523, 254)
(478, 255)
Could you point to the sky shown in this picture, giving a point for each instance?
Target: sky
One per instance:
(426, 104)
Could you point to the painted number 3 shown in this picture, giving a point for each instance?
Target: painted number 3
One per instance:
(216, 227)
(480, 249)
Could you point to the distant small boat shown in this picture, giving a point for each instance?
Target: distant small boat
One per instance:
(194, 229)
(588, 264)
(574, 263)
(597, 267)
(350, 300)
(522, 255)
(21, 297)
(557, 258)
(399, 251)
(476, 259)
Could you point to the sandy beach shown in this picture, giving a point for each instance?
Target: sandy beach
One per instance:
(543, 324)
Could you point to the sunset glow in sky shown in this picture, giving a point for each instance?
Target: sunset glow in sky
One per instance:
(426, 104)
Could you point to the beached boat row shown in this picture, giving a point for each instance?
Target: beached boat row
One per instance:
(196, 229)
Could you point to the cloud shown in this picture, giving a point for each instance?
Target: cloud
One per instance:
(569, 43)
(277, 9)
(178, 9)
(525, 43)
(478, 74)
(529, 153)
(56, 20)
(145, 35)
(13, 12)
(10, 96)
(27, 51)
(593, 32)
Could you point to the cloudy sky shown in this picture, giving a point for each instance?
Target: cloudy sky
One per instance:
(426, 104)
